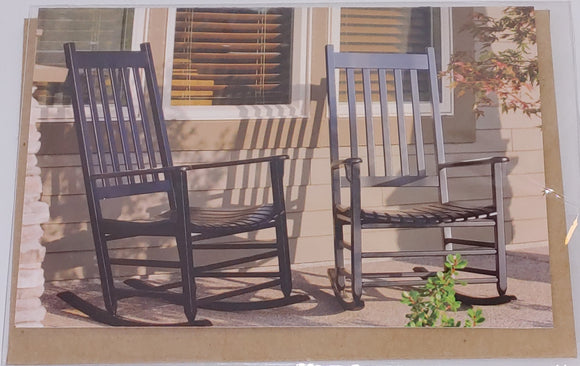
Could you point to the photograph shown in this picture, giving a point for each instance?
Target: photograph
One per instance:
(248, 172)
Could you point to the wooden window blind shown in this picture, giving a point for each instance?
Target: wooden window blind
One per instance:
(232, 56)
(397, 30)
(401, 30)
(98, 29)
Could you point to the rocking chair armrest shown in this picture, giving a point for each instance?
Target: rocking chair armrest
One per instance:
(136, 172)
(471, 162)
(222, 164)
(351, 167)
(348, 161)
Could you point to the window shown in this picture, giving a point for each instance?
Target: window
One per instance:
(91, 29)
(236, 63)
(406, 30)
(232, 56)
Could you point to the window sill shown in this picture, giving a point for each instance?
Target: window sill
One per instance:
(243, 112)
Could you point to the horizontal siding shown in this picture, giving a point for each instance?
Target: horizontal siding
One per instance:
(77, 264)
(492, 121)
(216, 136)
(61, 174)
(68, 238)
(72, 256)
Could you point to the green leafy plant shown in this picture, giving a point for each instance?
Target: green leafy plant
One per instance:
(432, 303)
(509, 74)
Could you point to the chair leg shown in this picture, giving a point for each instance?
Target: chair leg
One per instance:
(500, 257)
(499, 229)
(356, 237)
(105, 273)
(336, 274)
(276, 173)
(356, 263)
(187, 277)
(184, 245)
(447, 234)
(339, 256)
(283, 256)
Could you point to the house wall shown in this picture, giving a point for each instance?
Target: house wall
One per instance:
(307, 178)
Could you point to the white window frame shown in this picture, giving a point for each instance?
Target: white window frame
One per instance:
(300, 96)
(65, 113)
(447, 104)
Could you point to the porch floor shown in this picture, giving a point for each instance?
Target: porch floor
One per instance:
(528, 280)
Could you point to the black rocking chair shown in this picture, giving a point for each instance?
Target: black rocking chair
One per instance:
(368, 74)
(124, 151)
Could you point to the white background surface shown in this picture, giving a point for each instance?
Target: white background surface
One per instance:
(565, 20)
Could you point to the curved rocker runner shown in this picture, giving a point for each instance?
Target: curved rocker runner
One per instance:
(105, 317)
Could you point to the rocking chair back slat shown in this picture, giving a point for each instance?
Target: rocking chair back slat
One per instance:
(369, 121)
(351, 91)
(97, 134)
(403, 149)
(145, 124)
(107, 118)
(388, 158)
(418, 127)
(119, 93)
(125, 75)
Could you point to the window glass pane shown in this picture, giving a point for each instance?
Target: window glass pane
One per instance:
(90, 29)
(232, 56)
(396, 30)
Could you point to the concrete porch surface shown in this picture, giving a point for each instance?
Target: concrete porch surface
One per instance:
(528, 280)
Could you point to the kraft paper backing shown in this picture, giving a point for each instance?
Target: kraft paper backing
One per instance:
(131, 345)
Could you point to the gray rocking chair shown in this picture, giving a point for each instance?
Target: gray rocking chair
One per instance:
(124, 151)
(409, 169)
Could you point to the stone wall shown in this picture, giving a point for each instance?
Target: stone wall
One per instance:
(30, 285)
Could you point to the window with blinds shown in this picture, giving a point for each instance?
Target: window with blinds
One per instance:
(232, 56)
(102, 29)
(397, 30)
